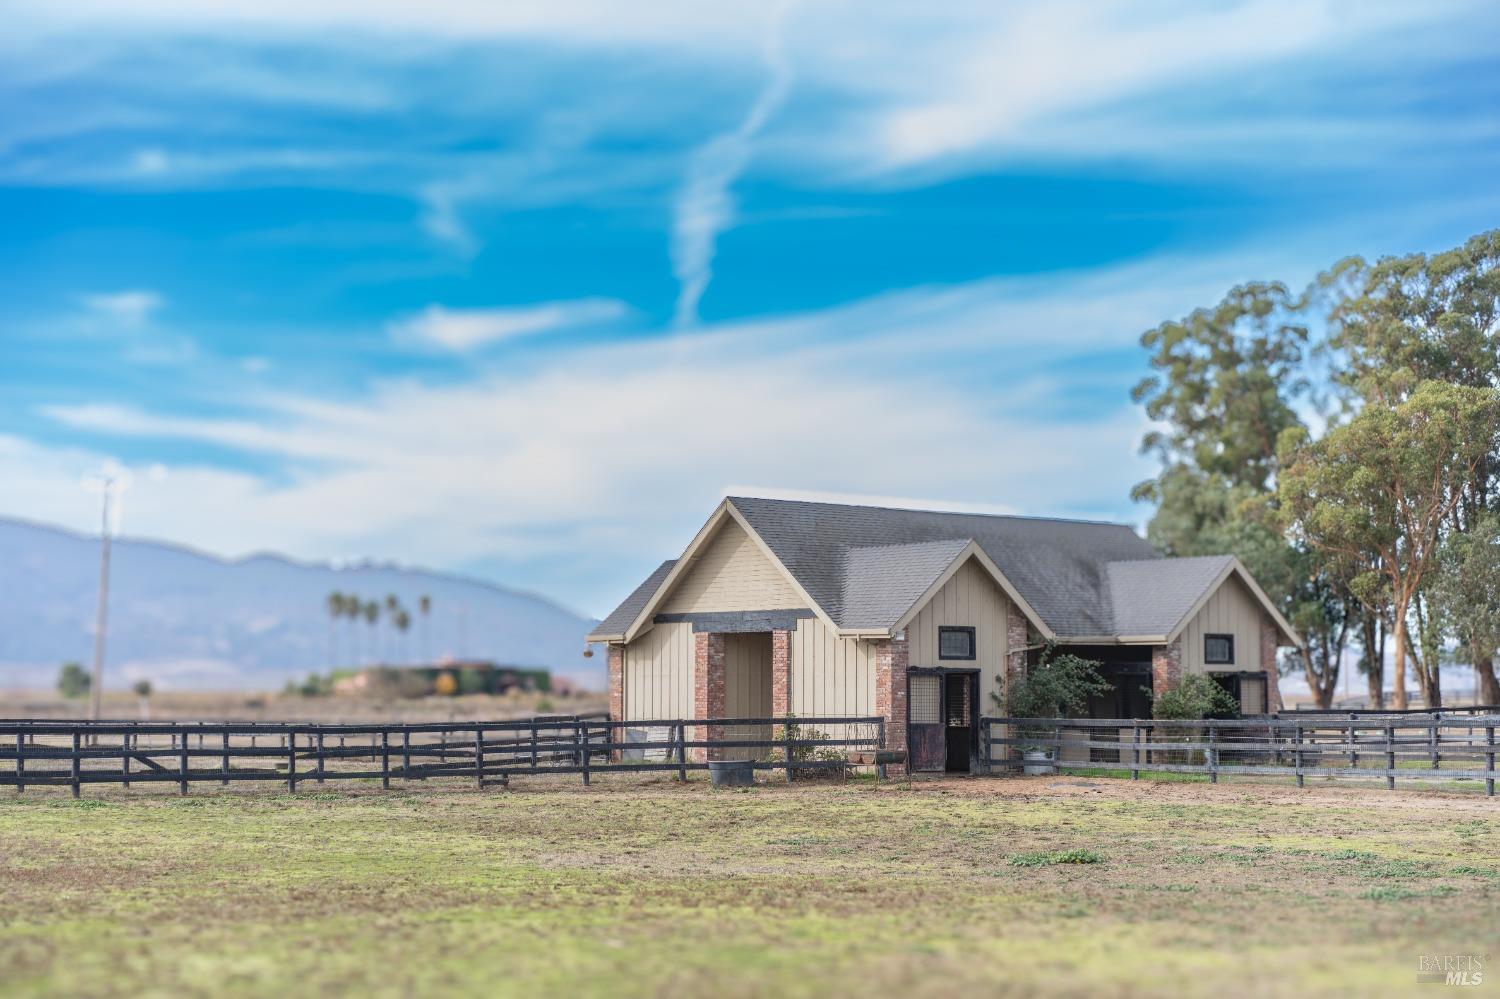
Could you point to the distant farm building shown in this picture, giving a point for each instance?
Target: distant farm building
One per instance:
(448, 678)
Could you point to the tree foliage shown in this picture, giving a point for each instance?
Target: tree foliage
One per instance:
(1375, 494)
(73, 681)
(1361, 533)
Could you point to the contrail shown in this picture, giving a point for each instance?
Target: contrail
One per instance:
(705, 207)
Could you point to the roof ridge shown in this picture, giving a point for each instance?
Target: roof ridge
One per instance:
(1168, 558)
(936, 513)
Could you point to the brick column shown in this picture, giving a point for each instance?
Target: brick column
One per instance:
(1017, 635)
(616, 682)
(1268, 638)
(891, 659)
(1166, 667)
(708, 689)
(781, 673)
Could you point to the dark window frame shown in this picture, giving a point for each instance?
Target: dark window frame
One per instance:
(1228, 640)
(973, 642)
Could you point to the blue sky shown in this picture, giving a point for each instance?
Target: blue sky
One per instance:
(522, 289)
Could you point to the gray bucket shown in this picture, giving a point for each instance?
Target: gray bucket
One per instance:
(732, 773)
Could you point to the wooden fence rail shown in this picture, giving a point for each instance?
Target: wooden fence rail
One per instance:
(74, 753)
(1356, 745)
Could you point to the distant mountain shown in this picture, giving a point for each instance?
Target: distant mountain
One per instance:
(187, 620)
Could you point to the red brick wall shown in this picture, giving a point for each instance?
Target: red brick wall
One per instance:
(616, 681)
(1268, 637)
(1017, 635)
(891, 659)
(1166, 667)
(708, 688)
(781, 673)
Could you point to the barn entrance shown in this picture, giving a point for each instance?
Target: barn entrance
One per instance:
(942, 731)
(747, 690)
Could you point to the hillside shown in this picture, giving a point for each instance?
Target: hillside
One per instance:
(185, 619)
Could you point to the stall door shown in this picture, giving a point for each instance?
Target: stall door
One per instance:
(926, 735)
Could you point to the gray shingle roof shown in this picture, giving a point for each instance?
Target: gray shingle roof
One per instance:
(865, 566)
(1059, 566)
(1150, 597)
(881, 582)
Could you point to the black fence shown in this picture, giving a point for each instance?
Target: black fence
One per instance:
(74, 753)
(1434, 746)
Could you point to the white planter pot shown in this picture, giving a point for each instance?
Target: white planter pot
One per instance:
(1038, 763)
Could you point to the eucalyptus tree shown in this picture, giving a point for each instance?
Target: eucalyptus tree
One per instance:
(1227, 385)
(1376, 495)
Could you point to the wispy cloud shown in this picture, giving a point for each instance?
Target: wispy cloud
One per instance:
(130, 308)
(469, 329)
(704, 205)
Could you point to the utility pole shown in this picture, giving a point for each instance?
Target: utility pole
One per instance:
(101, 617)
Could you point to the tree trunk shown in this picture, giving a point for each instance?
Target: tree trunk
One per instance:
(1320, 683)
(1489, 687)
(1398, 628)
(1374, 663)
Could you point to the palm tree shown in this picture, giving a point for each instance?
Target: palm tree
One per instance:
(372, 617)
(402, 622)
(335, 612)
(392, 605)
(424, 604)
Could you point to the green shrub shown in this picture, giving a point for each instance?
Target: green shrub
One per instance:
(1074, 856)
(1198, 696)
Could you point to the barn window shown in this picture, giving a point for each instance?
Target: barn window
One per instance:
(955, 643)
(1218, 649)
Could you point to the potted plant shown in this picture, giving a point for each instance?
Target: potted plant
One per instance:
(1056, 687)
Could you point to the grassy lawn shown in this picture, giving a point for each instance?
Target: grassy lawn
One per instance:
(1046, 886)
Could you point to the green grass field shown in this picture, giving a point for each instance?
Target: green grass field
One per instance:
(632, 888)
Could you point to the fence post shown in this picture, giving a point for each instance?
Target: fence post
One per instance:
(533, 744)
(786, 731)
(1489, 760)
(1297, 751)
(1390, 757)
(225, 779)
(880, 745)
(1135, 750)
(182, 760)
(77, 765)
(1353, 753)
(1432, 739)
(291, 762)
(320, 755)
(584, 728)
(682, 752)
(405, 753)
(385, 758)
(20, 762)
(1213, 753)
(478, 756)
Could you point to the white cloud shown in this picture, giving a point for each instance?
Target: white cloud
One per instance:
(704, 205)
(129, 308)
(619, 449)
(468, 329)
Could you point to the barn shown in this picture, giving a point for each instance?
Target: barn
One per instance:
(784, 607)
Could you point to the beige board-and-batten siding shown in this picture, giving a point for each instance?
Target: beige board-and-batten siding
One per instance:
(731, 573)
(970, 599)
(747, 691)
(1231, 610)
(659, 673)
